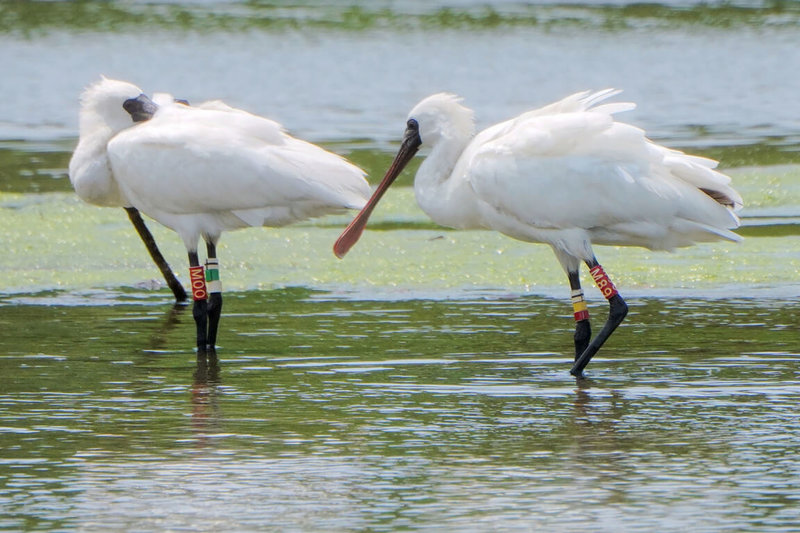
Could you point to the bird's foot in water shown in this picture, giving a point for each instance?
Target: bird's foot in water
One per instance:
(579, 375)
(209, 353)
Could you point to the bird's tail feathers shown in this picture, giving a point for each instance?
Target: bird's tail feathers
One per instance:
(699, 172)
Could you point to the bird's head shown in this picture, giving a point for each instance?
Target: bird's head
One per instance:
(436, 118)
(114, 105)
(441, 116)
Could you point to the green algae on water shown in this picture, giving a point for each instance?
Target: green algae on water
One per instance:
(32, 17)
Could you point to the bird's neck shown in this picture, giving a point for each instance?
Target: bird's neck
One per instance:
(90, 171)
(436, 187)
(92, 147)
(91, 123)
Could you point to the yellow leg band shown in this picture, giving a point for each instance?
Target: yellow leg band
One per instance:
(581, 311)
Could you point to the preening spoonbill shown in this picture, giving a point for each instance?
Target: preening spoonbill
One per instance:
(90, 157)
(203, 170)
(569, 175)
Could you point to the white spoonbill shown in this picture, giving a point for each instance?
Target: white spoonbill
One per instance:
(90, 157)
(203, 170)
(568, 175)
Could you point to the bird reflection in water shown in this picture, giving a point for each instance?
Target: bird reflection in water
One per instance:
(205, 404)
(205, 378)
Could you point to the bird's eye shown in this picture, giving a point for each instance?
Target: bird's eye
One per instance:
(413, 124)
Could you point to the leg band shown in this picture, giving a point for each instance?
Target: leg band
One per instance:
(198, 282)
(579, 306)
(603, 282)
(212, 276)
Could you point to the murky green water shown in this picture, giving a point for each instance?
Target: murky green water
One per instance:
(421, 383)
(331, 414)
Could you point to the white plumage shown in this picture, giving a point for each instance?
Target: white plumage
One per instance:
(202, 170)
(569, 175)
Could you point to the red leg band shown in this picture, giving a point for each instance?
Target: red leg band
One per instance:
(198, 281)
(603, 282)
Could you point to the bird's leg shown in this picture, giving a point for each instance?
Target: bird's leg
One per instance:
(214, 297)
(616, 313)
(155, 253)
(200, 308)
(583, 330)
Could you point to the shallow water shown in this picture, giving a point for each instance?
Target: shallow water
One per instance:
(421, 383)
(361, 414)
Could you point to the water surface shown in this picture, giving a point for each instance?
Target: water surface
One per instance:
(361, 414)
(421, 383)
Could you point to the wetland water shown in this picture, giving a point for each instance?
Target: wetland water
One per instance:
(457, 414)
(421, 383)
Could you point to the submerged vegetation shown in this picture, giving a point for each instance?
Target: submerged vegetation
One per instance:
(31, 17)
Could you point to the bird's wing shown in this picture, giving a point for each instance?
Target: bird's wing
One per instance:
(557, 122)
(581, 101)
(576, 170)
(696, 171)
(200, 160)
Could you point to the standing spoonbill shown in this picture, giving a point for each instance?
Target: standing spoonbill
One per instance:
(90, 157)
(203, 170)
(568, 175)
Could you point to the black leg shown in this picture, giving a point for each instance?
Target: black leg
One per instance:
(200, 309)
(616, 313)
(214, 297)
(155, 253)
(583, 329)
